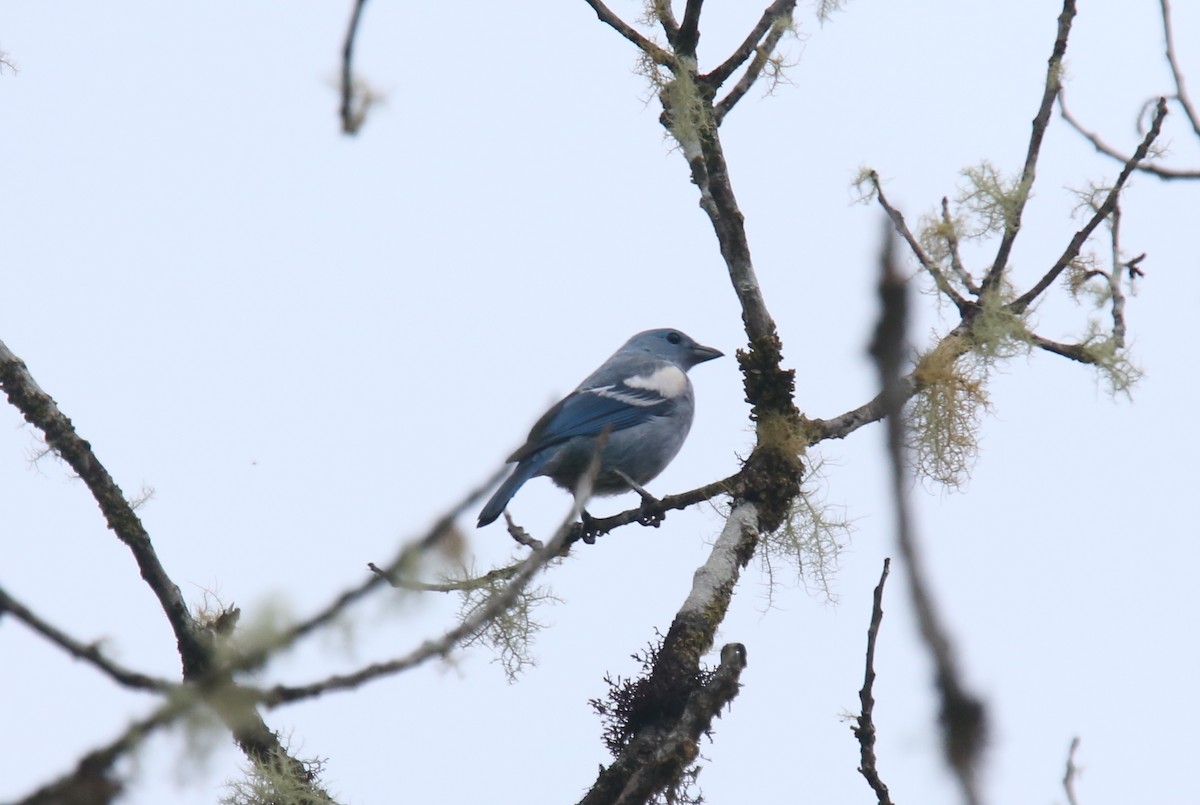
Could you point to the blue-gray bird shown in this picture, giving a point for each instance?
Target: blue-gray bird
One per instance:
(641, 397)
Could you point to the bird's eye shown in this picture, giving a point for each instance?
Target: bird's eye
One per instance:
(674, 338)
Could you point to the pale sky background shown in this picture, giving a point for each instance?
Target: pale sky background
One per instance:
(310, 346)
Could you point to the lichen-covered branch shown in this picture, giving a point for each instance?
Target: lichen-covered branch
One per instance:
(677, 707)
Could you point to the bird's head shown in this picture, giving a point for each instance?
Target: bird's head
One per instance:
(671, 345)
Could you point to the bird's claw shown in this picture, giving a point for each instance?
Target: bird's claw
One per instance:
(651, 513)
(587, 529)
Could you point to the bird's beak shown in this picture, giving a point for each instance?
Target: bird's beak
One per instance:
(701, 353)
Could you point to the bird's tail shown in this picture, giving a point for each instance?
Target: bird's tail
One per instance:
(523, 472)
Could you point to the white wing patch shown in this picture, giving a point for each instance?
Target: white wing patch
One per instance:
(614, 393)
(668, 381)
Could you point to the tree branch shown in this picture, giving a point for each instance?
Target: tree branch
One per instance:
(1020, 304)
(865, 729)
(89, 652)
(40, 410)
(956, 263)
(92, 780)
(875, 409)
(666, 17)
(407, 555)
(1106, 149)
(1180, 91)
(718, 200)
(780, 9)
(598, 527)
(1076, 352)
(1040, 122)
(355, 101)
(659, 752)
(939, 279)
(284, 694)
(652, 51)
(689, 30)
(1071, 773)
(194, 642)
(762, 55)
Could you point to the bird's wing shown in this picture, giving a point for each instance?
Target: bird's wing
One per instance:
(590, 411)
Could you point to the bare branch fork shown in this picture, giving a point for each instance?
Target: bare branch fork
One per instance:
(194, 642)
(1180, 96)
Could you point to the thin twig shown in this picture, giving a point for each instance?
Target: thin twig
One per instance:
(1022, 302)
(873, 410)
(865, 729)
(354, 100)
(519, 534)
(1076, 352)
(939, 279)
(390, 574)
(956, 263)
(1104, 148)
(454, 586)
(498, 603)
(1071, 773)
(89, 652)
(732, 485)
(1180, 91)
(1040, 122)
(653, 51)
(762, 55)
(778, 9)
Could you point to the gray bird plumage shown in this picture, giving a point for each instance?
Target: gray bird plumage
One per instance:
(641, 397)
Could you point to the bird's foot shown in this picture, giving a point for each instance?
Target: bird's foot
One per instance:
(586, 529)
(651, 512)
